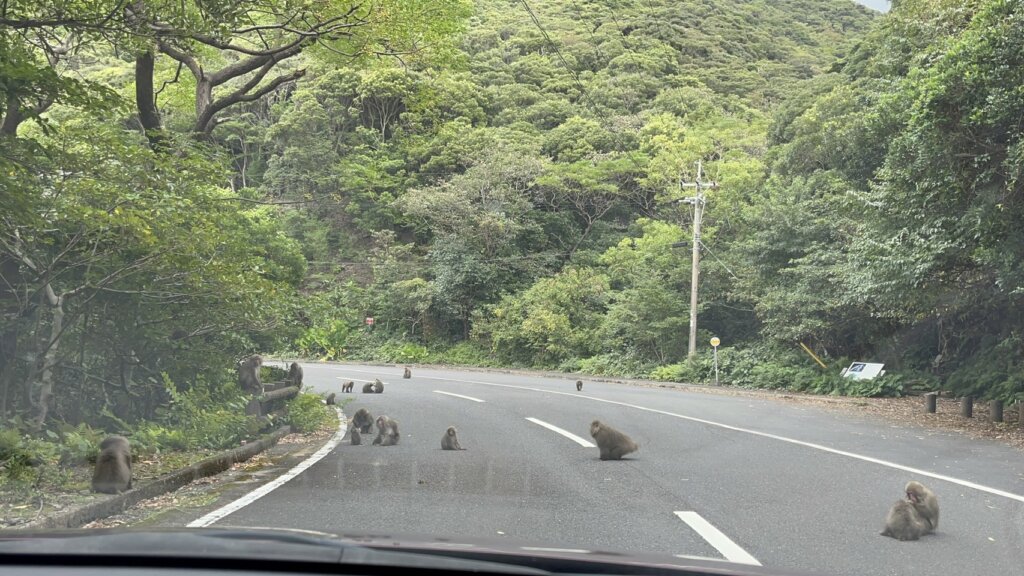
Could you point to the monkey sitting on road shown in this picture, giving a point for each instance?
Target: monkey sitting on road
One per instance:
(925, 502)
(450, 440)
(363, 420)
(579, 385)
(904, 522)
(368, 388)
(295, 375)
(612, 443)
(407, 373)
(347, 386)
(378, 387)
(356, 438)
(387, 432)
(914, 517)
(330, 399)
(113, 472)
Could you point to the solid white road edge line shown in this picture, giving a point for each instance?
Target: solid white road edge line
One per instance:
(566, 433)
(458, 395)
(861, 457)
(269, 487)
(716, 538)
(354, 379)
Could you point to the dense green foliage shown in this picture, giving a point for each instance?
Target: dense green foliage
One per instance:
(499, 184)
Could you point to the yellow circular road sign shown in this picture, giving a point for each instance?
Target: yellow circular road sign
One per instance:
(715, 341)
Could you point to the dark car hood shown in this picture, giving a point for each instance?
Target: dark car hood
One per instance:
(284, 546)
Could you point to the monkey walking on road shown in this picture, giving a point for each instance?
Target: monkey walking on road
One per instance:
(347, 386)
(113, 472)
(579, 385)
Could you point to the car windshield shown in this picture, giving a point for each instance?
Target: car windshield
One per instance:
(726, 280)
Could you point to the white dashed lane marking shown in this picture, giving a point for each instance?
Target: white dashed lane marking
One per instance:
(729, 549)
(581, 441)
(458, 396)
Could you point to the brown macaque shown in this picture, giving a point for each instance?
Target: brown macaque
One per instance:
(330, 399)
(579, 385)
(363, 420)
(904, 522)
(407, 374)
(387, 432)
(295, 375)
(612, 443)
(356, 438)
(450, 440)
(347, 386)
(925, 502)
(113, 472)
(368, 388)
(249, 374)
(378, 387)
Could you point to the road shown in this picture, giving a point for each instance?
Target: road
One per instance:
(751, 480)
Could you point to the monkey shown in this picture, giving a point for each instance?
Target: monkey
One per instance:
(450, 440)
(367, 388)
(407, 374)
(356, 438)
(387, 431)
(347, 386)
(249, 374)
(612, 443)
(295, 375)
(363, 420)
(579, 385)
(904, 522)
(378, 387)
(925, 502)
(330, 399)
(113, 472)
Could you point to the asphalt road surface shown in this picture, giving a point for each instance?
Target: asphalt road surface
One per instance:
(726, 477)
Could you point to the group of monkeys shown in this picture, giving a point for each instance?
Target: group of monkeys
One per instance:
(375, 387)
(908, 519)
(387, 431)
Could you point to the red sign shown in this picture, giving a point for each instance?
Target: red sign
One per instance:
(369, 320)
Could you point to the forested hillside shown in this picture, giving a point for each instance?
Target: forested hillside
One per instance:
(518, 203)
(499, 182)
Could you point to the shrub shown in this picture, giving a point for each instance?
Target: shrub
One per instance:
(402, 352)
(307, 412)
(208, 417)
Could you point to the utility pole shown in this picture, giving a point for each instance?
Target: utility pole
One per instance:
(698, 202)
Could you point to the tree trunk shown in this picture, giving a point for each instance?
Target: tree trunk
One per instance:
(145, 101)
(50, 358)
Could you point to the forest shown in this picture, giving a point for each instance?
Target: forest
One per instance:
(501, 183)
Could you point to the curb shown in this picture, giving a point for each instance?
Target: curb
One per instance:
(171, 481)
